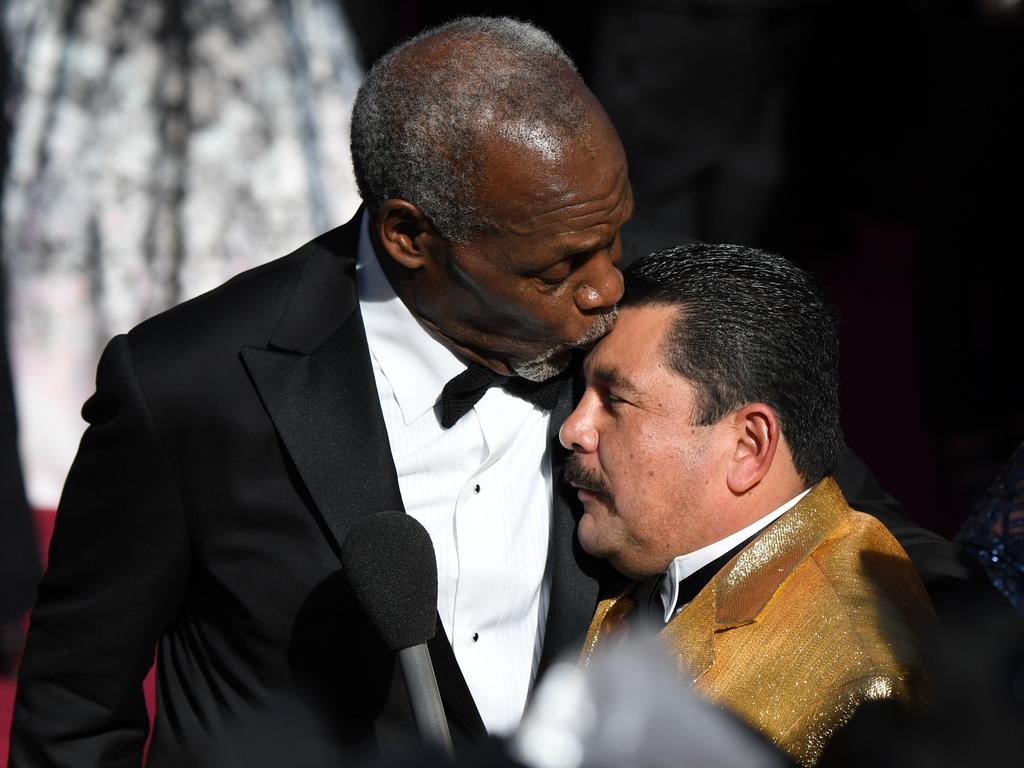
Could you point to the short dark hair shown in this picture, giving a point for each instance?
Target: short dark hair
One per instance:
(752, 327)
(418, 120)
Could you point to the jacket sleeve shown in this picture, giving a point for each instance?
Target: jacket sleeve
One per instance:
(117, 570)
(823, 718)
(953, 577)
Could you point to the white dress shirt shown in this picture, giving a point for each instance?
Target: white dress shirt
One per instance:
(688, 564)
(482, 489)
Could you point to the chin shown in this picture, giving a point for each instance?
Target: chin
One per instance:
(545, 366)
(584, 538)
(626, 570)
(588, 535)
(621, 559)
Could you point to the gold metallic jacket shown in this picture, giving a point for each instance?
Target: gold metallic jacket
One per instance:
(819, 613)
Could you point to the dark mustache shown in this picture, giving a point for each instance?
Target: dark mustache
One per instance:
(576, 473)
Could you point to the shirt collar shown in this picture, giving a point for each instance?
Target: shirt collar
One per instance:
(416, 365)
(685, 565)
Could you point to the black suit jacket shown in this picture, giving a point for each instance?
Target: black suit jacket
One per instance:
(232, 442)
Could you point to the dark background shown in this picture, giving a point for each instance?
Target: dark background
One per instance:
(878, 143)
(893, 168)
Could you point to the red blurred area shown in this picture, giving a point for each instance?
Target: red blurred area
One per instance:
(44, 520)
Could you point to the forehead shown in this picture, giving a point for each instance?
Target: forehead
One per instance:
(574, 194)
(633, 353)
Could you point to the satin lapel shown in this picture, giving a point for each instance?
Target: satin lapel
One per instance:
(458, 701)
(745, 585)
(574, 574)
(691, 635)
(325, 409)
(319, 390)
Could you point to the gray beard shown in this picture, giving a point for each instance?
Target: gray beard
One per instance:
(543, 367)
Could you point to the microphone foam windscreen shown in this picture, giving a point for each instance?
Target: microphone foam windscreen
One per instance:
(389, 561)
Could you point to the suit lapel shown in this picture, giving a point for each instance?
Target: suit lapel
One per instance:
(322, 405)
(747, 583)
(575, 576)
(742, 589)
(316, 381)
(458, 701)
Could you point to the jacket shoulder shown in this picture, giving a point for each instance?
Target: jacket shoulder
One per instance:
(878, 593)
(247, 308)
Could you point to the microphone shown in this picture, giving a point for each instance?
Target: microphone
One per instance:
(389, 561)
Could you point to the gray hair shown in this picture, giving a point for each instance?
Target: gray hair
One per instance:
(421, 115)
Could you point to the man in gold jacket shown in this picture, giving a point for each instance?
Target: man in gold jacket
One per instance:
(702, 452)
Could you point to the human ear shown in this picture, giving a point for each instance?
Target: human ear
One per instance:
(405, 233)
(757, 437)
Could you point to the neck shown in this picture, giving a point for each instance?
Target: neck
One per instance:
(779, 485)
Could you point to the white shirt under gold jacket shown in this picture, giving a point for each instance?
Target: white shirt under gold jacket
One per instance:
(819, 613)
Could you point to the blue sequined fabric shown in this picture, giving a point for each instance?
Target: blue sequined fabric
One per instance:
(995, 530)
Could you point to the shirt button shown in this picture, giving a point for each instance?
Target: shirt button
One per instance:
(476, 636)
(476, 488)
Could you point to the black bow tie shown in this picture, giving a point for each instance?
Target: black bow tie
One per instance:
(465, 390)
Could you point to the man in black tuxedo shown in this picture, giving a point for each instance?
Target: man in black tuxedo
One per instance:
(233, 440)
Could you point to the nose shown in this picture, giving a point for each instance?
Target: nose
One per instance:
(577, 432)
(602, 288)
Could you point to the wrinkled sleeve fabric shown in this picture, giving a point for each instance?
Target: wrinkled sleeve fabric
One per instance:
(954, 579)
(117, 571)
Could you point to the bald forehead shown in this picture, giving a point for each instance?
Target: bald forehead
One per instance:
(517, 119)
(428, 107)
(447, 49)
(492, 81)
(526, 164)
(534, 140)
(469, 47)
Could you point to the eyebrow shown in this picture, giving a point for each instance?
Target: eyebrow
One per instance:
(568, 253)
(612, 378)
(595, 243)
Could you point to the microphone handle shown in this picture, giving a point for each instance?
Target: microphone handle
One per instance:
(425, 697)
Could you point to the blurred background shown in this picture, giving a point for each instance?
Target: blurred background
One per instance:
(879, 143)
(153, 148)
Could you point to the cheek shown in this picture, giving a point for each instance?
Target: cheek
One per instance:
(521, 313)
(550, 315)
(633, 459)
(649, 484)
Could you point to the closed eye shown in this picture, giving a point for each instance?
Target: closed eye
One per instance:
(553, 281)
(563, 270)
(611, 400)
(554, 278)
(613, 389)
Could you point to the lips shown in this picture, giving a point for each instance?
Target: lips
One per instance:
(587, 482)
(583, 493)
(584, 488)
